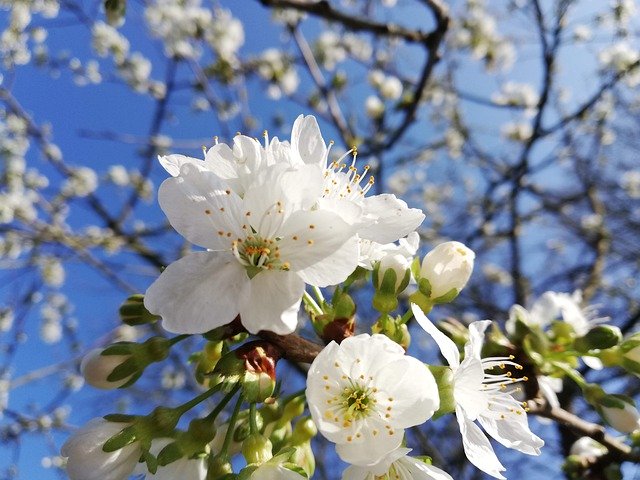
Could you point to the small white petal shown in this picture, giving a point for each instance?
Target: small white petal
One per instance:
(335, 268)
(273, 304)
(477, 447)
(173, 163)
(393, 218)
(447, 347)
(307, 141)
(513, 432)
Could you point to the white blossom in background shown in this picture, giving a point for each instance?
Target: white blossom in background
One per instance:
(106, 40)
(582, 33)
(391, 88)
(517, 94)
(363, 393)
(630, 182)
(330, 50)
(6, 319)
(484, 397)
(619, 58)
(225, 34)
(87, 461)
(396, 465)
(179, 25)
(476, 30)
(81, 182)
(374, 107)
(278, 69)
(118, 175)
(517, 131)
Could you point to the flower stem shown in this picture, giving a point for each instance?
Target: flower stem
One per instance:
(253, 423)
(232, 426)
(223, 403)
(185, 407)
(177, 339)
(311, 303)
(406, 317)
(572, 374)
(318, 293)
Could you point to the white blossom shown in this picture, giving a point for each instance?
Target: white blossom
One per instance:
(374, 107)
(363, 393)
(447, 267)
(483, 397)
(391, 88)
(96, 368)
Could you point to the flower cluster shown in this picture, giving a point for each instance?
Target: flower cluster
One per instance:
(273, 218)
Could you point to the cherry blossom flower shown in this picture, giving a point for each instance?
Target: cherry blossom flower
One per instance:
(87, 460)
(483, 397)
(363, 393)
(263, 248)
(396, 465)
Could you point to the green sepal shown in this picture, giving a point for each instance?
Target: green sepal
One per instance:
(415, 270)
(124, 437)
(448, 297)
(124, 370)
(151, 461)
(120, 348)
(422, 301)
(444, 381)
(424, 287)
(343, 306)
(119, 418)
(598, 338)
(295, 468)
(169, 454)
(134, 313)
(384, 302)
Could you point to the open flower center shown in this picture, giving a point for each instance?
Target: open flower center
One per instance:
(357, 401)
(257, 254)
(499, 389)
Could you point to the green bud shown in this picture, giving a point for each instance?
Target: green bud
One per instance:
(257, 448)
(133, 311)
(219, 466)
(293, 408)
(630, 353)
(305, 459)
(598, 338)
(574, 466)
(303, 431)
(394, 329)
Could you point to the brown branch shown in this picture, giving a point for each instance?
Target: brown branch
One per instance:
(294, 347)
(618, 451)
(324, 9)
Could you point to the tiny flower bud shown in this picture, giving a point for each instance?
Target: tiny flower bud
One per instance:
(133, 311)
(620, 412)
(254, 366)
(598, 338)
(587, 447)
(96, 368)
(257, 448)
(447, 268)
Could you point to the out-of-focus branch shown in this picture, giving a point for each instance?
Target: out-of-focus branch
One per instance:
(618, 450)
(294, 347)
(325, 10)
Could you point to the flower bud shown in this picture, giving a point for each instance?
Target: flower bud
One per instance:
(630, 353)
(337, 321)
(219, 467)
(447, 269)
(96, 368)
(254, 366)
(394, 329)
(86, 457)
(598, 338)
(620, 412)
(257, 448)
(390, 277)
(133, 311)
(587, 447)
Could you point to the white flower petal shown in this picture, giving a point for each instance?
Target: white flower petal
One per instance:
(476, 338)
(267, 471)
(413, 389)
(447, 347)
(417, 470)
(173, 163)
(368, 452)
(513, 432)
(311, 237)
(477, 447)
(593, 363)
(393, 219)
(273, 303)
(198, 207)
(199, 292)
(307, 141)
(335, 268)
